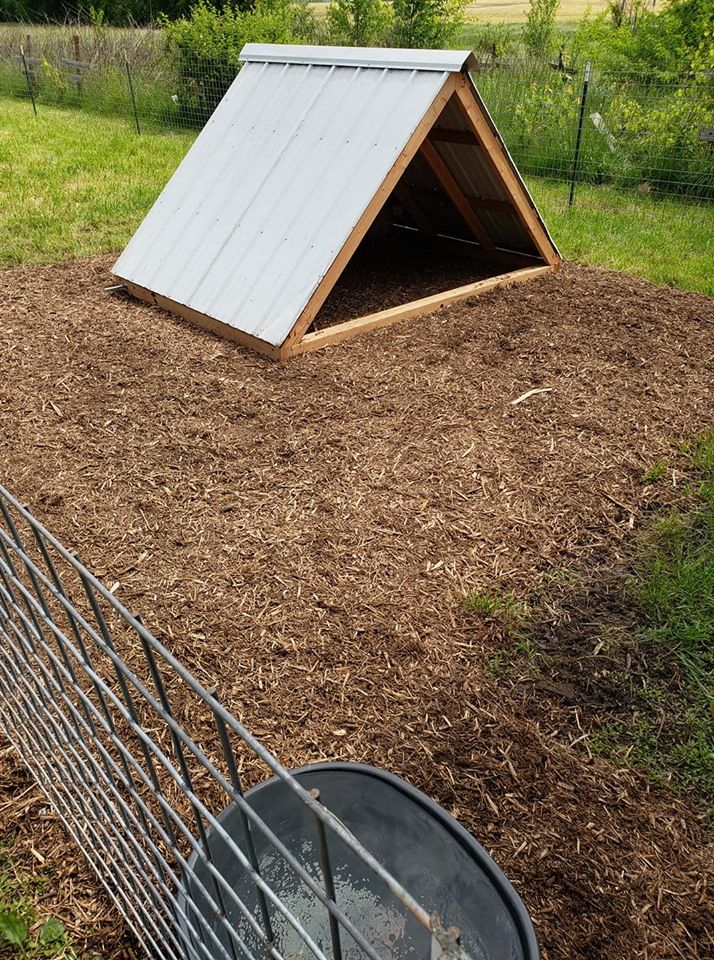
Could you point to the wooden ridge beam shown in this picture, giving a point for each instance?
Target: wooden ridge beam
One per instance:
(486, 203)
(454, 136)
(482, 203)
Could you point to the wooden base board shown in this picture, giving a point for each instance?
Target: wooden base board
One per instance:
(340, 331)
(207, 323)
(373, 321)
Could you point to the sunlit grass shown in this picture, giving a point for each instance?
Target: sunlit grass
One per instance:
(665, 241)
(73, 184)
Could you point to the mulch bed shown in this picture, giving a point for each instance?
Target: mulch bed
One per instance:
(302, 535)
(387, 271)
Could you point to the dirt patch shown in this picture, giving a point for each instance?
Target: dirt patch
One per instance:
(302, 535)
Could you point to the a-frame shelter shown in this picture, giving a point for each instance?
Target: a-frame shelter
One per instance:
(308, 148)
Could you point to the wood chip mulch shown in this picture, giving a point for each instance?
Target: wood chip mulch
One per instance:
(302, 536)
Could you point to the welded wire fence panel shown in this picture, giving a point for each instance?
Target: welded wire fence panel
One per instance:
(640, 135)
(122, 70)
(139, 761)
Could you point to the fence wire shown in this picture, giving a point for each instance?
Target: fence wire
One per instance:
(138, 759)
(639, 134)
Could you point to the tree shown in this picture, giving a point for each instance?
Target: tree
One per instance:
(427, 23)
(358, 23)
(114, 12)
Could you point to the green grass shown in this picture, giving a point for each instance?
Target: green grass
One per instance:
(677, 576)
(671, 733)
(26, 934)
(505, 611)
(664, 241)
(73, 185)
(495, 605)
(655, 472)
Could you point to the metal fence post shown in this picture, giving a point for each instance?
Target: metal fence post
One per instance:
(132, 94)
(578, 137)
(29, 82)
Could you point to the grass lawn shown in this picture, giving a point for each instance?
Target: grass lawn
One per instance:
(664, 241)
(74, 184)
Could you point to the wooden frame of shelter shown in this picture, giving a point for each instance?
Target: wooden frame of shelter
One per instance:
(456, 144)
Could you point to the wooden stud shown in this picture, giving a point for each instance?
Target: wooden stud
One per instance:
(454, 136)
(503, 167)
(375, 205)
(205, 322)
(447, 181)
(482, 203)
(384, 318)
(486, 203)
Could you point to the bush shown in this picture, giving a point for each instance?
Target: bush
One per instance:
(658, 133)
(207, 46)
(662, 46)
(539, 33)
(427, 23)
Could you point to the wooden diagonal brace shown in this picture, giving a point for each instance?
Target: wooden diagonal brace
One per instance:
(446, 179)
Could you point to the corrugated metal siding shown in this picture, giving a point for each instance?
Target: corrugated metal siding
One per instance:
(273, 187)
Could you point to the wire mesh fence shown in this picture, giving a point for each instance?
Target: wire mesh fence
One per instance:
(640, 135)
(633, 132)
(146, 769)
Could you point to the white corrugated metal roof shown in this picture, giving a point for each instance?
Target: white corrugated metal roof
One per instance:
(399, 59)
(272, 188)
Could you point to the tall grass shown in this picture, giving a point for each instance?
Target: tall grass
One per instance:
(144, 47)
(107, 51)
(637, 133)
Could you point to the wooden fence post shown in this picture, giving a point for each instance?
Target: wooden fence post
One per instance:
(80, 82)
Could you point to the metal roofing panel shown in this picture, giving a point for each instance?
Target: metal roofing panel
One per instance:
(272, 188)
(400, 59)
